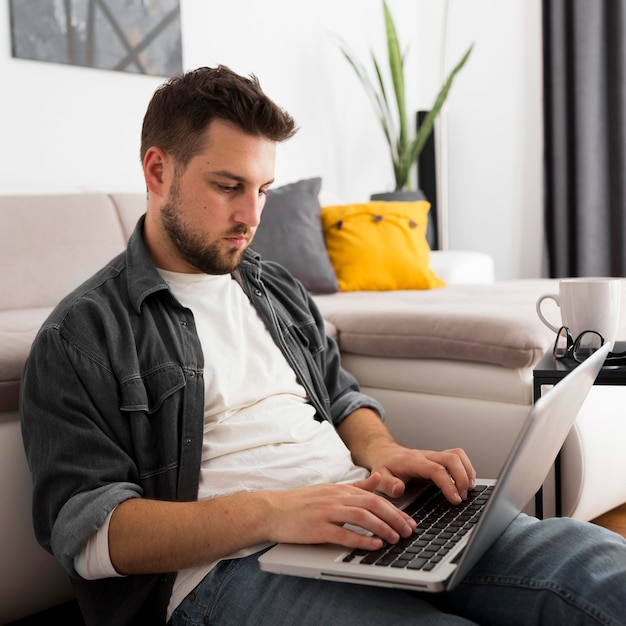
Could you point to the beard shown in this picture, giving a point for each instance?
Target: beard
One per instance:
(194, 249)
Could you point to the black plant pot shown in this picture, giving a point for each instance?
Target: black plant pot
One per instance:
(399, 196)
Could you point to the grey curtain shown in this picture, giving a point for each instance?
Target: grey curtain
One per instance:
(585, 137)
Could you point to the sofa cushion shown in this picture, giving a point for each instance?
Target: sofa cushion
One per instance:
(290, 233)
(130, 207)
(68, 238)
(379, 245)
(491, 323)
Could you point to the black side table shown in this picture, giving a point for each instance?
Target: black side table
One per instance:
(548, 372)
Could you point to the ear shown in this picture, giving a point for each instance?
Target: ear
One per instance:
(155, 165)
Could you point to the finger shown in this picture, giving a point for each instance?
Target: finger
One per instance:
(469, 468)
(390, 484)
(392, 487)
(346, 536)
(370, 483)
(374, 483)
(449, 474)
(460, 470)
(447, 483)
(381, 518)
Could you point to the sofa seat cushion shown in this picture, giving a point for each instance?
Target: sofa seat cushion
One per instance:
(27, 320)
(18, 329)
(15, 348)
(491, 323)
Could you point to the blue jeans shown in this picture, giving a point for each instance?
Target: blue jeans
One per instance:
(556, 571)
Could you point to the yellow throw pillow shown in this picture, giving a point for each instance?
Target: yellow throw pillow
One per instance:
(379, 246)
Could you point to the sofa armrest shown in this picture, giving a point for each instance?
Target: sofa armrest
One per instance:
(458, 267)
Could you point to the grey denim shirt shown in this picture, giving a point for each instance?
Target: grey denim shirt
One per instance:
(112, 407)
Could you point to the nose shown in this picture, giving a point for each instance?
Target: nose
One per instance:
(249, 209)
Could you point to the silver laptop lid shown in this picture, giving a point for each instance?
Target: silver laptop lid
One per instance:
(536, 447)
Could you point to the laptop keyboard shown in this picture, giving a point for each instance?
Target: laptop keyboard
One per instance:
(440, 526)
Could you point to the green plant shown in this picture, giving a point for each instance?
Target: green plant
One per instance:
(404, 151)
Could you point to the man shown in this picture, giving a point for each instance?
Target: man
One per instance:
(201, 414)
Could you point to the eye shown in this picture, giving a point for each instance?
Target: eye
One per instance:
(228, 188)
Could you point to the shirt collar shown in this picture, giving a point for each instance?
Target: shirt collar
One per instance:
(144, 278)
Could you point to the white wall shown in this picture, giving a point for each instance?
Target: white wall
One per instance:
(63, 126)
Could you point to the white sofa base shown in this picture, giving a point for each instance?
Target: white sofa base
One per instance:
(593, 457)
(484, 435)
(462, 267)
(31, 579)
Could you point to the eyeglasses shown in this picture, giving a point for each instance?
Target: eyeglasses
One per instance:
(578, 349)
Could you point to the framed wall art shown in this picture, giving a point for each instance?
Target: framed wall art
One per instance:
(138, 36)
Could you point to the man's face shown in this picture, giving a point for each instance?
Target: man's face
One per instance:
(211, 209)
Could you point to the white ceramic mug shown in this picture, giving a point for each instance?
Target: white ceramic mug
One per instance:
(586, 304)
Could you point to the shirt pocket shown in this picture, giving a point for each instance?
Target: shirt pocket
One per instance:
(147, 391)
(153, 402)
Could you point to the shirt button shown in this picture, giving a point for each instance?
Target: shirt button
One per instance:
(258, 292)
(183, 323)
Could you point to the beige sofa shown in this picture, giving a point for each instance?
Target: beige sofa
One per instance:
(453, 366)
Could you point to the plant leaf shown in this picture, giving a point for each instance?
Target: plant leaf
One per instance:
(427, 125)
(396, 68)
(403, 152)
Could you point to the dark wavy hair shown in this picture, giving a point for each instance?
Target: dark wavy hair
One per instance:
(182, 107)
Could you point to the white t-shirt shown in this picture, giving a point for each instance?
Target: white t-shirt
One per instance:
(259, 429)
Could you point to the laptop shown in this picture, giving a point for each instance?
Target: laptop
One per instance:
(466, 534)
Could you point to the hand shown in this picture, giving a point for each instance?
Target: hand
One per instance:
(451, 470)
(317, 514)
(372, 446)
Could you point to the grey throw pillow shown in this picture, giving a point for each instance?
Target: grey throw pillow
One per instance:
(290, 233)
